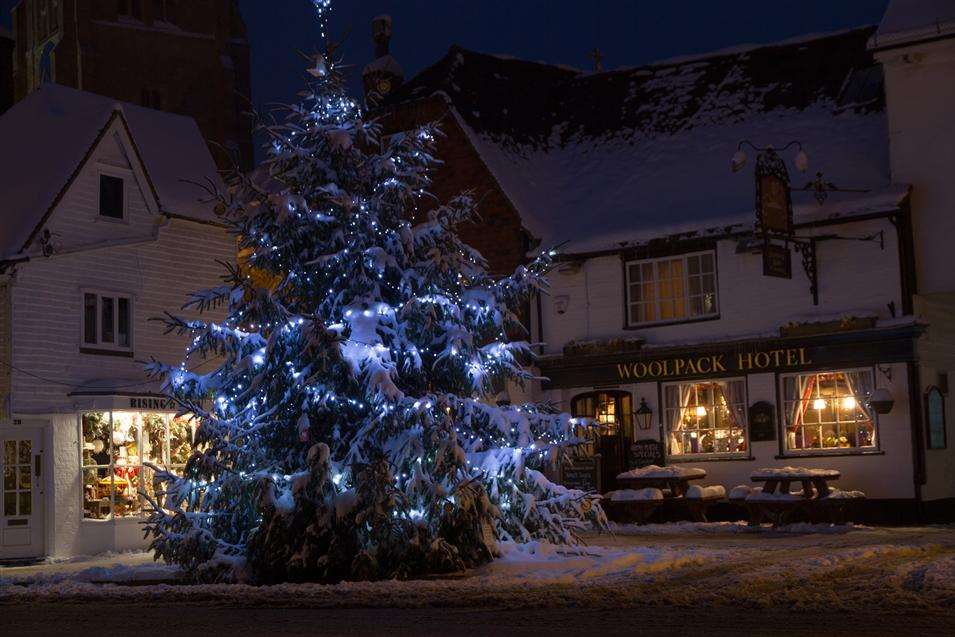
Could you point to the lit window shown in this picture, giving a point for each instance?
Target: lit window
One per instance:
(706, 418)
(107, 321)
(112, 197)
(117, 447)
(671, 289)
(935, 417)
(828, 410)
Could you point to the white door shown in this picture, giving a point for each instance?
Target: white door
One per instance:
(21, 509)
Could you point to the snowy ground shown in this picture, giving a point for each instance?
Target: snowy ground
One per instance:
(720, 569)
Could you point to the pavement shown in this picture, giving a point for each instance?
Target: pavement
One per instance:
(713, 579)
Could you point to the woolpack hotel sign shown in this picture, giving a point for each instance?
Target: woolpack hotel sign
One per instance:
(737, 358)
(714, 364)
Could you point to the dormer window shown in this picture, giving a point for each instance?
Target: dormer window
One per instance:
(112, 197)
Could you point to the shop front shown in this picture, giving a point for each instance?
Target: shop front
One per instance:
(80, 483)
(838, 400)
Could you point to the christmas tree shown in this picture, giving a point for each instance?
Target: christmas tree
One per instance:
(350, 428)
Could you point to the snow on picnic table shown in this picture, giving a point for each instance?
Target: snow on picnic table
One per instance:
(797, 473)
(653, 471)
(689, 565)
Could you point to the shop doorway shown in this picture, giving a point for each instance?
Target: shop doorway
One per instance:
(21, 508)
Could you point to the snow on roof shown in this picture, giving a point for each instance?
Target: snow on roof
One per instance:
(909, 21)
(48, 134)
(604, 159)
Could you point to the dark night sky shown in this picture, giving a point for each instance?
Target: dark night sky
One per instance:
(559, 31)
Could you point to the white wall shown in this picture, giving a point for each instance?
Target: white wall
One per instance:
(920, 94)
(855, 278)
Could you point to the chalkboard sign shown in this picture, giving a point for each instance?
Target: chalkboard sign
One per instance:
(644, 453)
(762, 422)
(583, 474)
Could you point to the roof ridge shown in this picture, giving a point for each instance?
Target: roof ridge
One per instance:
(678, 60)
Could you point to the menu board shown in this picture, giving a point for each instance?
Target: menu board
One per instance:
(583, 474)
(644, 453)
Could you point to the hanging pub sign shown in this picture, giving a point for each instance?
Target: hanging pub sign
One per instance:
(762, 422)
(777, 261)
(774, 207)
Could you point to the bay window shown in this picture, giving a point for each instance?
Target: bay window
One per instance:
(829, 411)
(706, 418)
(116, 445)
(671, 289)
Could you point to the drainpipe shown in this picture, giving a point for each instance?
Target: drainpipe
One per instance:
(918, 450)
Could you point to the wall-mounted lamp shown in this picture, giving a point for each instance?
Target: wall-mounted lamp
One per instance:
(644, 415)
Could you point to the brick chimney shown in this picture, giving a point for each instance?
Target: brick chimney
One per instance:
(381, 34)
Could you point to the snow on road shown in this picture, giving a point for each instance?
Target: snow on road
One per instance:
(719, 564)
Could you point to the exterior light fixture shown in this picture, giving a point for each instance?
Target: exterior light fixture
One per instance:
(644, 415)
(801, 161)
(881, 401)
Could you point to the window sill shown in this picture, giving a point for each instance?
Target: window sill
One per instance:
(704, 458)
(95, 351)
(647, 326)
(835, 454)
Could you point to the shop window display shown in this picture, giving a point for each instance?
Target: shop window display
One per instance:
(829, 410)
(706, 418)
(117, 449)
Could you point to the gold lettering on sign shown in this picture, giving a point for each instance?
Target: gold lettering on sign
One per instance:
(714, 364)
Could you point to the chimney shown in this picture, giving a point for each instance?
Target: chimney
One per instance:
(381, 33)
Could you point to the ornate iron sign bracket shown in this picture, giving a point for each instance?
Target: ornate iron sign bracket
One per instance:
(810, 265)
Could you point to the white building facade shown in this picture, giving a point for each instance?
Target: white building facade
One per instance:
(101, 235)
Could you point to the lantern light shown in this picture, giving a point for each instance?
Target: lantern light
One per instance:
(644, 415)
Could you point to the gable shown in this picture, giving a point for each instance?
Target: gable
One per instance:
(75, 221)
(49, 135)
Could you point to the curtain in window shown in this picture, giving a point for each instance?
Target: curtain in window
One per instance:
(735, 395)
(860, 386)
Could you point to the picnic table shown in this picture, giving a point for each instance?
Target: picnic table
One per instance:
(776, 502)
(815, 482)
(644, 489)
(673, 480)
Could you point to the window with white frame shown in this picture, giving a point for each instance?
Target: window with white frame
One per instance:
(107, 321)
(118, 447)
(112, 196)
(671, 289)
(829, 411)
(706, 418)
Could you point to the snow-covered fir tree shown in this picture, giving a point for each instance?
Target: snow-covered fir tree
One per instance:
(350, 428)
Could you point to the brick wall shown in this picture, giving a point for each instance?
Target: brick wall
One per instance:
(498, 233)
